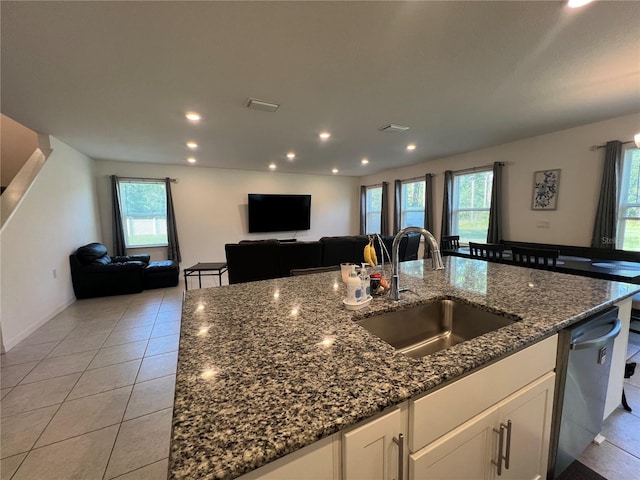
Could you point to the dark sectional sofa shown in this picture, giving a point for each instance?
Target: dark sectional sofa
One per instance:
(252, 260)
(96, 274)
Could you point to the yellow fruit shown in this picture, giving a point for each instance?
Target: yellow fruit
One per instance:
(367, 254)
(374, 257)
(370, 254)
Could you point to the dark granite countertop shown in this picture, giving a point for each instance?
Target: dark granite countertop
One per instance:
(266, 368)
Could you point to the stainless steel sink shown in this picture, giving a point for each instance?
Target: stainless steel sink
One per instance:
(433, 326)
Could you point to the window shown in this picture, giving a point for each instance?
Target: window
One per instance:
(143, 205)
(628, 237)
(471, 204)
(412, 203)
(373, 210)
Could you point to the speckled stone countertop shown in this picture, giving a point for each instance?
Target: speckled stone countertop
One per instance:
(266, 368)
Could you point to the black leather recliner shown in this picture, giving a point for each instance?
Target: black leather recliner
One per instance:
(96, 274)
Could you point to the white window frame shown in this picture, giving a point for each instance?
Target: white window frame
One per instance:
(404, 209)
(625, 179)
(372, 213)
(456, 210)
(127, 224)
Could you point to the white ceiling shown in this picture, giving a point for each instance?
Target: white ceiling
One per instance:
(114, 79)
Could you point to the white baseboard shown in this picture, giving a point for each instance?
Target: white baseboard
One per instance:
(8, 343)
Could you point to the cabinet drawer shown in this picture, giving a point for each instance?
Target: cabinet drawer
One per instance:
(443, 410)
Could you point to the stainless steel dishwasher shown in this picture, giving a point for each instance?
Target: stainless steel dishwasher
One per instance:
(582, 377)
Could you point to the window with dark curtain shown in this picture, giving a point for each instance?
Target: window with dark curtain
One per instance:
(116, 218)
(428, 202)
(173, 245)
(447, 206)
(604, 229)
(494, 232)
(384, 213)
(363, 210)
(397, 205)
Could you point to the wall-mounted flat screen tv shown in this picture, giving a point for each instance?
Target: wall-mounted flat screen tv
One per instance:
(279, 213)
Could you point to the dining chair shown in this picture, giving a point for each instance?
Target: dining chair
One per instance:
(450, 242)
(486, 251)
(535, 257)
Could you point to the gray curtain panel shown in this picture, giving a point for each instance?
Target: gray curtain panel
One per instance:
(116, 219)
(397, 205)
(447, 206)
(363, 210)
(604, 229)
(494, 232)
(428, 202)
(173, 245)
(384, 220)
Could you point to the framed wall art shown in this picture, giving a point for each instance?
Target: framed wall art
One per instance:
(545, 189)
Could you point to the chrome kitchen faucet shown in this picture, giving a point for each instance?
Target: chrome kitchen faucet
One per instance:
(436, 257)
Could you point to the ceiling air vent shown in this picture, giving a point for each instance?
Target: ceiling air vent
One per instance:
(394, 128)
(256, 104)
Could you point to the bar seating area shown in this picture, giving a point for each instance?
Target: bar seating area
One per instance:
(487, 251)
(608, 264)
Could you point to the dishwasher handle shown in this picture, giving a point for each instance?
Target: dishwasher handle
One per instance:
(599, 341)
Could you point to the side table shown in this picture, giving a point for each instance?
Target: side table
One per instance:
(215, 268)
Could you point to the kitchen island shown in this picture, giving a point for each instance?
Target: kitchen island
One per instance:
(267, 368)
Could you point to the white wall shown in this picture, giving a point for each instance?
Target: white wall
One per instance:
(211, 205)
(568, 150)
(57, 214)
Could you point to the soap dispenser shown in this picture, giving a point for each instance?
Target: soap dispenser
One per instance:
(354, 286)
(365, 281)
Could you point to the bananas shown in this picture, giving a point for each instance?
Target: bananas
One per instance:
(370, 254)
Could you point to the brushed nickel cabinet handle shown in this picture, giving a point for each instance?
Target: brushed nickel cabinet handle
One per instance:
(508, 452)
(498, 462)
(400, 442)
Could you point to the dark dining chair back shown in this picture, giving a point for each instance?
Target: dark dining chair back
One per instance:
(535, 257)
(450, 242)
(487, 251)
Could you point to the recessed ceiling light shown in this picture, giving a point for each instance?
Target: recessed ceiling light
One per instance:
(192, 145)
(272, 166)
(193, 116)
(411, 147)
(291, 155)
(191, 160)
(364, 161)
(335, 170)
(324, 135)
(577, 3)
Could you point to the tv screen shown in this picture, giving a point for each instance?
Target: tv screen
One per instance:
(279, 213)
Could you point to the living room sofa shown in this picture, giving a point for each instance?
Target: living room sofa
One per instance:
(96, 274)
(252, 260)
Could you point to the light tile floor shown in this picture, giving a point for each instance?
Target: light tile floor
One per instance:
(89, 395)
(618, 458)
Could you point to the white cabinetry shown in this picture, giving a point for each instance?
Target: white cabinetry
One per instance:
(318, 461)
(472, 450)
(375, 450)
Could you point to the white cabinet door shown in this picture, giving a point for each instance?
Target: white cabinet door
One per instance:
(318, 461)
(471, 451)
(370, 452)
(464, 453)
(529, 412)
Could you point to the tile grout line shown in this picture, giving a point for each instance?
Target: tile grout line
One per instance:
(124, 412)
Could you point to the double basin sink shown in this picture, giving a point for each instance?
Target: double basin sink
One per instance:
(428, 328)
